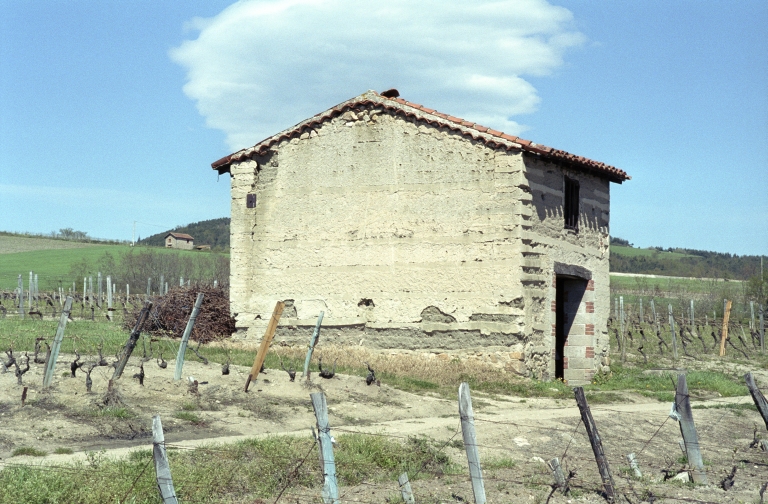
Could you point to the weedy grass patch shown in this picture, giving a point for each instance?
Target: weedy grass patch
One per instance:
(28, 451)
(250, 469)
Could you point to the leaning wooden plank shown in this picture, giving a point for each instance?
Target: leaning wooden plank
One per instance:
(50, 364)
(470, 443)
(757, 396)
(312, 343)
(724, 336)
(688, 430)
(132, 340)
(162, 468)
(597, 444)
(330, 492)
(265, 342)
(185, 337)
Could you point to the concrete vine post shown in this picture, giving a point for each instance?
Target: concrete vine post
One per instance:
(50, 364)
(312, 343)
(557, 473)
(30, 290)
(672, 329)
(470, 443)
(405, 488)
(21, 298)
(162, 468)
(693, 317)
(109, 297)
(185, 337)
(762, 330)
(688, 430)
(621, 329)
(330, 492)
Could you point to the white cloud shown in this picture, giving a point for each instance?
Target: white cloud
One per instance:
(261, 66)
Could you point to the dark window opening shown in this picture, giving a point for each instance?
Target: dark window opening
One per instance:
(571, 204)
(250, 201)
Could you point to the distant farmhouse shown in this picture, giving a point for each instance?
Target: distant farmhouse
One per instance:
(179, 241)
(412, 229)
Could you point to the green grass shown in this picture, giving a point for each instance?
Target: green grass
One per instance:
(641, 252)
(188, 416)
(113, 411)
(672, 285)
(499, 463)
(28, 451)
(662, 386)
(51, 265)
(238, 472)
(54, 265)
(63, 451)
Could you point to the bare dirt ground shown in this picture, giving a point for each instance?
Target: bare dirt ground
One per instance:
(515, 435)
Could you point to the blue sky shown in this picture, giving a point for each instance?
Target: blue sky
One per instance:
(111, 113)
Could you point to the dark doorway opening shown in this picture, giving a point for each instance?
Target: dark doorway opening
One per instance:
(569, 291)
(559, 327)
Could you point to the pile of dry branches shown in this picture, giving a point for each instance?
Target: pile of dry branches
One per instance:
(171, 312)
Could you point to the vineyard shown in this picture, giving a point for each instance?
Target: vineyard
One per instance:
(93, 443)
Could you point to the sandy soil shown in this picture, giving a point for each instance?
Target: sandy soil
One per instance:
(527, 432)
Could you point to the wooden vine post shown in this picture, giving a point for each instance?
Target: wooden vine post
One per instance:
(185, 337)
(265, 342)
(597, 444)
(133, 338)
(757, 396)
(726, 317)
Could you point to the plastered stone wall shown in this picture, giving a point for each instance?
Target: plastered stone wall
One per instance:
(551, 244)
(407, 236)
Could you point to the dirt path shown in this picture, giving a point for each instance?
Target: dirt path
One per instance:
(526, 432)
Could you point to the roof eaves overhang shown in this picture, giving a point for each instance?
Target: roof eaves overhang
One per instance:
(490, 137)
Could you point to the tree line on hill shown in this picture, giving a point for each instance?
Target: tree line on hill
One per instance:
(213, 232)
(139, 265)
(687, 263)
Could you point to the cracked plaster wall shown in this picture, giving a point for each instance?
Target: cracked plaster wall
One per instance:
(407, 236)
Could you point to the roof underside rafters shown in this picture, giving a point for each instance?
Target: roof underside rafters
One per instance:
(397, 106)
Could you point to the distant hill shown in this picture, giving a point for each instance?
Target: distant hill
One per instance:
(214, 232)
(681, 262)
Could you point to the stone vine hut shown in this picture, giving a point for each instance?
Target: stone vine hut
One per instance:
(179, 241)
(412, 229)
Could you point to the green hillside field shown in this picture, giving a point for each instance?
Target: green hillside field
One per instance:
(57, 260)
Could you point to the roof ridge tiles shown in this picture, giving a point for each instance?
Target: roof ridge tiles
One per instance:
(491, 137)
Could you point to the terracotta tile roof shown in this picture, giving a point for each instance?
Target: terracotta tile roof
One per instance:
(180, 236)
(398, 106)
